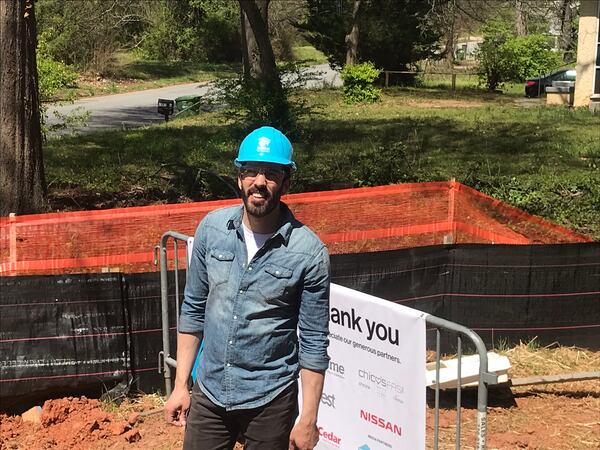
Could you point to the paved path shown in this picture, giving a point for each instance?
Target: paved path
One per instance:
(135, 109)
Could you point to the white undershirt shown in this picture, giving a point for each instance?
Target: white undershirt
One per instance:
(254, 241)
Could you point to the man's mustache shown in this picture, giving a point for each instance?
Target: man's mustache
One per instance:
(262, 191)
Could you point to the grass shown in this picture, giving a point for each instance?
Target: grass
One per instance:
(528, 360)
(129, 71)
(466, 82)
(544, 160)
(308, 55)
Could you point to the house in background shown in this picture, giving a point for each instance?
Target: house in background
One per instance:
(466, 48)
(587, 85)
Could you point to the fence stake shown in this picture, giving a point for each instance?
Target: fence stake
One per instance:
(12, 218)
(458, 390)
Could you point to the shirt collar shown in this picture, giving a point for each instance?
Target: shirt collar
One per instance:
(285, 223)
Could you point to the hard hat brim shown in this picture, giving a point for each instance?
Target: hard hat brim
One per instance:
(270, 160)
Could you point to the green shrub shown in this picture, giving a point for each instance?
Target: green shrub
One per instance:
(358, 83)
(504, 57)
(53, 76)
(252, 104)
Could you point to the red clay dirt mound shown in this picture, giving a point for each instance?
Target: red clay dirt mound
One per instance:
(67, 423)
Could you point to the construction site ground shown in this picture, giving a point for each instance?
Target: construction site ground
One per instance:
(548, 416)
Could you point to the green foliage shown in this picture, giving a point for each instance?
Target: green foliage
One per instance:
(193, 30)
(393, 33)
(381, 164)
(251, 103)
(504, 57)
(567, 199)
(358, 83)
(53, 76)
(85, 34)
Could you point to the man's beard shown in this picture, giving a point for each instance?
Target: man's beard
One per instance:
(271, 201)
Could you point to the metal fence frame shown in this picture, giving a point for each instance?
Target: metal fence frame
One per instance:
(166, 362)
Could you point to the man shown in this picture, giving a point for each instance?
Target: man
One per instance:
(257, 291)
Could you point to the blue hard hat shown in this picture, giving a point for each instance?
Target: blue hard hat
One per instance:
(266, 144)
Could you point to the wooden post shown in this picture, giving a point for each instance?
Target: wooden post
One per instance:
(453, 83)
(387, 78)
(450, 238)
(12, 237)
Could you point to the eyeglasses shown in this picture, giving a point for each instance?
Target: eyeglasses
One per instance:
(270, 173)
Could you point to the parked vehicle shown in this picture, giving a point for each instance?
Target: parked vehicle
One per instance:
(535, 87)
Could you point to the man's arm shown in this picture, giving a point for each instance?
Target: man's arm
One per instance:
(305, 435)
(313, 326)
(178, 403)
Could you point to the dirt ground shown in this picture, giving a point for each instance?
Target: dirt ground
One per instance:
(548, 416)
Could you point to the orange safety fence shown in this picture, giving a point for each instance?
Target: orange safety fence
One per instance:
(348, 221)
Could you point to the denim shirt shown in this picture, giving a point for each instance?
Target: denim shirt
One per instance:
(262, 321)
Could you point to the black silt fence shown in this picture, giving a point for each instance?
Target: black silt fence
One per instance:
(82, 334)
(506, 293)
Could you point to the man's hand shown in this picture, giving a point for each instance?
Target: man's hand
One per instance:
(304, 436)
(177, 407)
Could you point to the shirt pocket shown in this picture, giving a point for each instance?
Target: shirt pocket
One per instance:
(218, 267)
(276, 284)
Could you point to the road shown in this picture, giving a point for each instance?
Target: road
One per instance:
(135, 109)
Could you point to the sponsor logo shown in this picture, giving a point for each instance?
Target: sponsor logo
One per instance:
(382, 385)
(328, 400)
(364, 447)
(336, 369)
(330, 437)
(380, 422)
(263, 145)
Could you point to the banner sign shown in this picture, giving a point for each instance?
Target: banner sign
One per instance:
(374, 392)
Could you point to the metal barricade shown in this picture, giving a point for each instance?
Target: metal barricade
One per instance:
(485, 378)
(166, 362)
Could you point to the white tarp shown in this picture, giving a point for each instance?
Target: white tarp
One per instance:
(374, 393)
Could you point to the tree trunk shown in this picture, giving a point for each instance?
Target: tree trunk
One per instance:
(565, 41)
(245, 55)
(22, 184)
(450, 35)
(259, 52)
(261, 76)
(521, 19)
(352, 37)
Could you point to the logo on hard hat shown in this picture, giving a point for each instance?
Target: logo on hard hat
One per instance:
(263, 145)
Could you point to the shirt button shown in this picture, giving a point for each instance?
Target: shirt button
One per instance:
(234, 317)
(230, 342)
(277, 272)
(249, 268)
(241, 291)
(228, 365)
